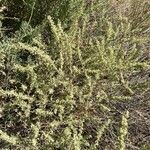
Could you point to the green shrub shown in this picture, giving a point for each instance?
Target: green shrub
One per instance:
(66, 95)
(21, 10)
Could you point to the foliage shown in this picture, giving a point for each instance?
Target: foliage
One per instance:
(76, 91)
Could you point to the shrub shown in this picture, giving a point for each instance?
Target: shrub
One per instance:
(71, 94)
